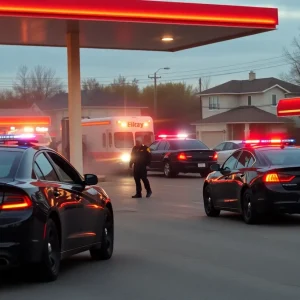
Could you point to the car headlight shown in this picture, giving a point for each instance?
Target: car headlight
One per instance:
(125, 157)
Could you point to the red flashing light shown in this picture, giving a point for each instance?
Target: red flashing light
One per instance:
(274, 141)
(182, 156)
(277, 178)
(179, 136)
(15, 202)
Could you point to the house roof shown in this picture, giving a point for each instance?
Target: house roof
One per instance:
(89, 99)
(251, 86)
(244, 114)
(18, 112)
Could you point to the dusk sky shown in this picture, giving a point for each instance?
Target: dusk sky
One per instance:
(262, 53)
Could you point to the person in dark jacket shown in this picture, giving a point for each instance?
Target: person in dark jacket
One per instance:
(140, 159)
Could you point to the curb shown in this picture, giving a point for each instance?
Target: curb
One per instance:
(101, 178)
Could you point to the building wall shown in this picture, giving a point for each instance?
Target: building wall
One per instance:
(57, 116)
(263, 101)
(226, 103)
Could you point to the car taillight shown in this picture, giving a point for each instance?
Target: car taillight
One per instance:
(182, 156)
(15, 202)
(215, 156)
(277, 178)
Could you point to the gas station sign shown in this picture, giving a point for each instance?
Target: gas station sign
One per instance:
(288, 107)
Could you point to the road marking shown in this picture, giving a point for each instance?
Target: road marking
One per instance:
(182, 186)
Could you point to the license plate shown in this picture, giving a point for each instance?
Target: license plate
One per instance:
(201, 165)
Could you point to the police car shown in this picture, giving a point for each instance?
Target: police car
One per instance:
(48, 211)
(261, 178)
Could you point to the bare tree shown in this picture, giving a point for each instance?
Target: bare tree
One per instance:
(293, 58)
(205, 83)
(39, 84)
(91, 84)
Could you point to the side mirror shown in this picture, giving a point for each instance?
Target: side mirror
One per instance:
(90, 179)
(215, 167)
(226, 171)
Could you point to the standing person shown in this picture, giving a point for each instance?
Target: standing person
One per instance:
(140, 159)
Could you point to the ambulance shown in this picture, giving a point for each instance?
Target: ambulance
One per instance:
(111, 139)
(28, 125)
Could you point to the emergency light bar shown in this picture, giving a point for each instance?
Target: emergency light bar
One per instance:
(270, 142)
(180, 136)
(21, 138)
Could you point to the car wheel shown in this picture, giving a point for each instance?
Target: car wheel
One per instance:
(105, 250)
(50, 264)
(250, 215)
(168, 171)
(209, 208)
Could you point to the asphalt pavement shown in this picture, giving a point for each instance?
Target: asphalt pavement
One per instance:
(166, 248)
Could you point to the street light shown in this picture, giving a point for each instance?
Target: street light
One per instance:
(155, 77)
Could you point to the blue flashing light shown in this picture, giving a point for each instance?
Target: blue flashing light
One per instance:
(24, 138)
(270, 142)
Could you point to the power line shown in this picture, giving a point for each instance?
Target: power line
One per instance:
(216, 74)
(168, 73)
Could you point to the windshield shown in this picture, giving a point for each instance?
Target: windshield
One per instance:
(123, 139)
(283, 157)
(9, 162)
(147, 137)
(188, 144)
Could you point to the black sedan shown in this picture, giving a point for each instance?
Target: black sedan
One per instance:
(48, 211)
(255, 181)
(181, 155)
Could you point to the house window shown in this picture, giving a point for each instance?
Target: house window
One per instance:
(249, 100)
(274, 100)
(214, 103)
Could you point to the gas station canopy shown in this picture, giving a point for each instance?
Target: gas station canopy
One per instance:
(122, 24)
(129, 24)
(288, 107)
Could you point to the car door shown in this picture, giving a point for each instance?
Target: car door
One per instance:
(161, 152)
(153, 148)
(157, 155)
(245, 161)
(220, 186)
(219, 150)
(62, 198)
(91, 217)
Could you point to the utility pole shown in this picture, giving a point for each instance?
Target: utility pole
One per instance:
(200, 98)
(155, 77)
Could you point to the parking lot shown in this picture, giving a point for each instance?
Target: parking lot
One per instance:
(166, 248)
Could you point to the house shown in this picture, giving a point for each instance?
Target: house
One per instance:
(94, 105)
(241, 109)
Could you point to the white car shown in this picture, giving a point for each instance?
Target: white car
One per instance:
(226, 148)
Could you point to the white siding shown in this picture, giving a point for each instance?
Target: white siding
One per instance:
(264, 100)
(226, 102)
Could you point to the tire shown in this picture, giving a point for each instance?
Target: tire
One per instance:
(168, 170)
(105, 250)
(209, 208)
(249, 213)
(51, 258)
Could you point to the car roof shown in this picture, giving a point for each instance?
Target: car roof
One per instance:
(176, 139)
(20, 147)
(274, 148)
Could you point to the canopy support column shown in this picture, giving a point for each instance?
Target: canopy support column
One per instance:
(74, 100)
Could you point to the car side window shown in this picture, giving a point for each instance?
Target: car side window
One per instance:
(220, 147)
(45, 167)
(67, 172)
(162, 145)
(153, 146)
(38, 172)
(231, 161)
(246, 160)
